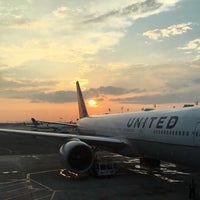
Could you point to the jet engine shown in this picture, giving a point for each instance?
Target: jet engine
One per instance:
(77, 156)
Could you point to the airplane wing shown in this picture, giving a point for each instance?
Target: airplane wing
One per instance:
(93, 140)
(47, 124)
(70, 125)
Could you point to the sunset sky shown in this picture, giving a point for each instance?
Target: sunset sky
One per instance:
(126, 54)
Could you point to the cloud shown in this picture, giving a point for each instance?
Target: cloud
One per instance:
(133, 84)
(192, 45)
(108, 90)
(18, 21)
(12, 13)
(147, 80)
(61, 12)
(192, 48)
(36, 50)
(131, 10)
(80, 48)
(40, 91)
(70, 96)
(126, 9)
(65, 12)
(183, 97)
(55, 97)
(197, 80)
(62, 35)
(173, 30)
(30, 90)
(67, 34)
(23, 88)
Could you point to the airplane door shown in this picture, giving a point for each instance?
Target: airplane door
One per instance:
(197, 135)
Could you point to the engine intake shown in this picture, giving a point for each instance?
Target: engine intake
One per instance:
(76, 156)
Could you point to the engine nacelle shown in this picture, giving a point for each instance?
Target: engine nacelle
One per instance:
(76, 156)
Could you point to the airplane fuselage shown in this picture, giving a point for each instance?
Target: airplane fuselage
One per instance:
(170, 135)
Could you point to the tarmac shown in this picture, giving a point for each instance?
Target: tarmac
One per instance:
(30, 169)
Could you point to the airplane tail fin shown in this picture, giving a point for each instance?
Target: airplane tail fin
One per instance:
(81, 104)
(34, 121)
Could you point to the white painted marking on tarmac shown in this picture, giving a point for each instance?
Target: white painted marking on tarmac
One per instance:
(10, 172)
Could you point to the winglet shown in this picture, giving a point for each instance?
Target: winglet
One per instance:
(81, 104)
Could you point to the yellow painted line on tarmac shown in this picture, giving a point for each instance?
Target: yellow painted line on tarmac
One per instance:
(52, 196)
(29, 179)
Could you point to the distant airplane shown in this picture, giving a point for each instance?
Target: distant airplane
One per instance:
(67, 127)
(170, 135)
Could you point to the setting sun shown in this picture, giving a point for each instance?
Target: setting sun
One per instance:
(92, 103)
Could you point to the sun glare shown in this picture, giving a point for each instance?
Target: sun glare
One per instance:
(92, 103)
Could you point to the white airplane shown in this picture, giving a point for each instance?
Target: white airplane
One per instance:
(56, 126)
(170, 135)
